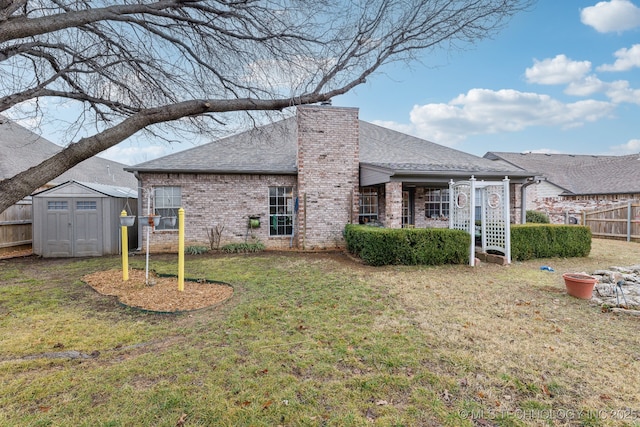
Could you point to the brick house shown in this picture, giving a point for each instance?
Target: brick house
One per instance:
(572, 183)
(303, 179)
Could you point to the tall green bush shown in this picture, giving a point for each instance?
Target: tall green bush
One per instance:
(407, 246)
(537, 217)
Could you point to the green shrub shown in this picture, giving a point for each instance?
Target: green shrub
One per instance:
(243, 247)
(196, 250)
(529, 241)
(407, 246)
(536, 217)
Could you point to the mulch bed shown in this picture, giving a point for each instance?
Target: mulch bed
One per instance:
(161, 294)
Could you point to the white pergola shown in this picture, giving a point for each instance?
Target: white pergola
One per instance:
(494, 213)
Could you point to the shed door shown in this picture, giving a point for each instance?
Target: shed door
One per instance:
(58, 229)
(86, 228)
(72, 228)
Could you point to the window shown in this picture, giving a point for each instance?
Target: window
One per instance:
(167, 201)
(57, 205)
(436, 203)
(407, 208)
(82, 205)
(368, 205)
(280, 211)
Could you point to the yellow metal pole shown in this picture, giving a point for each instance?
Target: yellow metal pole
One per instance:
(125, 249)
(181, 249)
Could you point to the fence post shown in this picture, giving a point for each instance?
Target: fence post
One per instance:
(629, 221)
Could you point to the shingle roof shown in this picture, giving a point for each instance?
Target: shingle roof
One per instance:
(266, 149)
(580, 174)
(383, 147)
(273, 149)
(21, 149)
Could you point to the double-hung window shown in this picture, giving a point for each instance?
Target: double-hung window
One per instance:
(167, 201)
(368, 205)
(436, 203)
(280, 211)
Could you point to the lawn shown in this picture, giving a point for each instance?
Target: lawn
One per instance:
(320, 340)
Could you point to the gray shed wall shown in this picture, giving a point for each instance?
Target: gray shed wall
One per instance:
(69, 231)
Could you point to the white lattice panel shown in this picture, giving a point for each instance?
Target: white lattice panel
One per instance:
(494, 233)
(460, 210)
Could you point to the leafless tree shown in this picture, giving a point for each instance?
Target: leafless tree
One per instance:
(136, 64)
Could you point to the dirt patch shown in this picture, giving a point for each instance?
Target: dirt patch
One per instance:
(161, 294)
(9, 253)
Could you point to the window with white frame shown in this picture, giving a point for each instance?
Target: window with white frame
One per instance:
(407, 208)
(368, 205)
(436, 203)
(86, 205)
(57, 205)
(280, 211)
(167, 201)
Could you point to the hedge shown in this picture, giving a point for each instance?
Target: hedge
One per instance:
(408, 246)
(435, 246)
(529, 241)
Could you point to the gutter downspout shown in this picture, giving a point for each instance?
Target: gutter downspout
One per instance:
(523, 197)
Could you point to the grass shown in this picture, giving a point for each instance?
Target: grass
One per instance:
(319, 340)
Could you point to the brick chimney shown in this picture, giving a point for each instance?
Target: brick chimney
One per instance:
(328, 174)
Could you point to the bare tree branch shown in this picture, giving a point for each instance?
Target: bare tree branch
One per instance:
(132, 66)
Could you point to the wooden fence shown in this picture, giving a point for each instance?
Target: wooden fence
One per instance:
(16, 226)
(620, 222)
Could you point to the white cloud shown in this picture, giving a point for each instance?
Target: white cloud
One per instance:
(619, 92)
(483, 111)
(559, 70)
(611, 16)
(627, 59)
(586, 86)
(633, 146)
(562, 70)
(131, 155)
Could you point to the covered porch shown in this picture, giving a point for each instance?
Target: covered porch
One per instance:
(414, 196)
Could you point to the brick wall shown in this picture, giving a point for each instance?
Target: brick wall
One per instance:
(327, 187)
(544, 197)
(224, 200)
(328, 174)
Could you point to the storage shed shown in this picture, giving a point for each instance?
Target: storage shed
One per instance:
(77, 219)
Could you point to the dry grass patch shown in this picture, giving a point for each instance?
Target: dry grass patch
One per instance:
(513, 339)
(318, 339)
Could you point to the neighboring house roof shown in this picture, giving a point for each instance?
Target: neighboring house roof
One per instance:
(107, 190)
(21, 149)
(273, 149)
(579, 174)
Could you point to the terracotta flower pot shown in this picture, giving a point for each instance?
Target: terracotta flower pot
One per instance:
(579, 285)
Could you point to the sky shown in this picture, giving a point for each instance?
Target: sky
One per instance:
(563, 77)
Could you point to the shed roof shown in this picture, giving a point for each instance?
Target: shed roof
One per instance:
(273, 149)
(105, 189)
(21, 149)
(579, 174)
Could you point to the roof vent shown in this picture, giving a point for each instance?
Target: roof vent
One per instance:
(327, 102)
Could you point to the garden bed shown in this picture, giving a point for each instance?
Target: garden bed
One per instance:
(161, 294)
